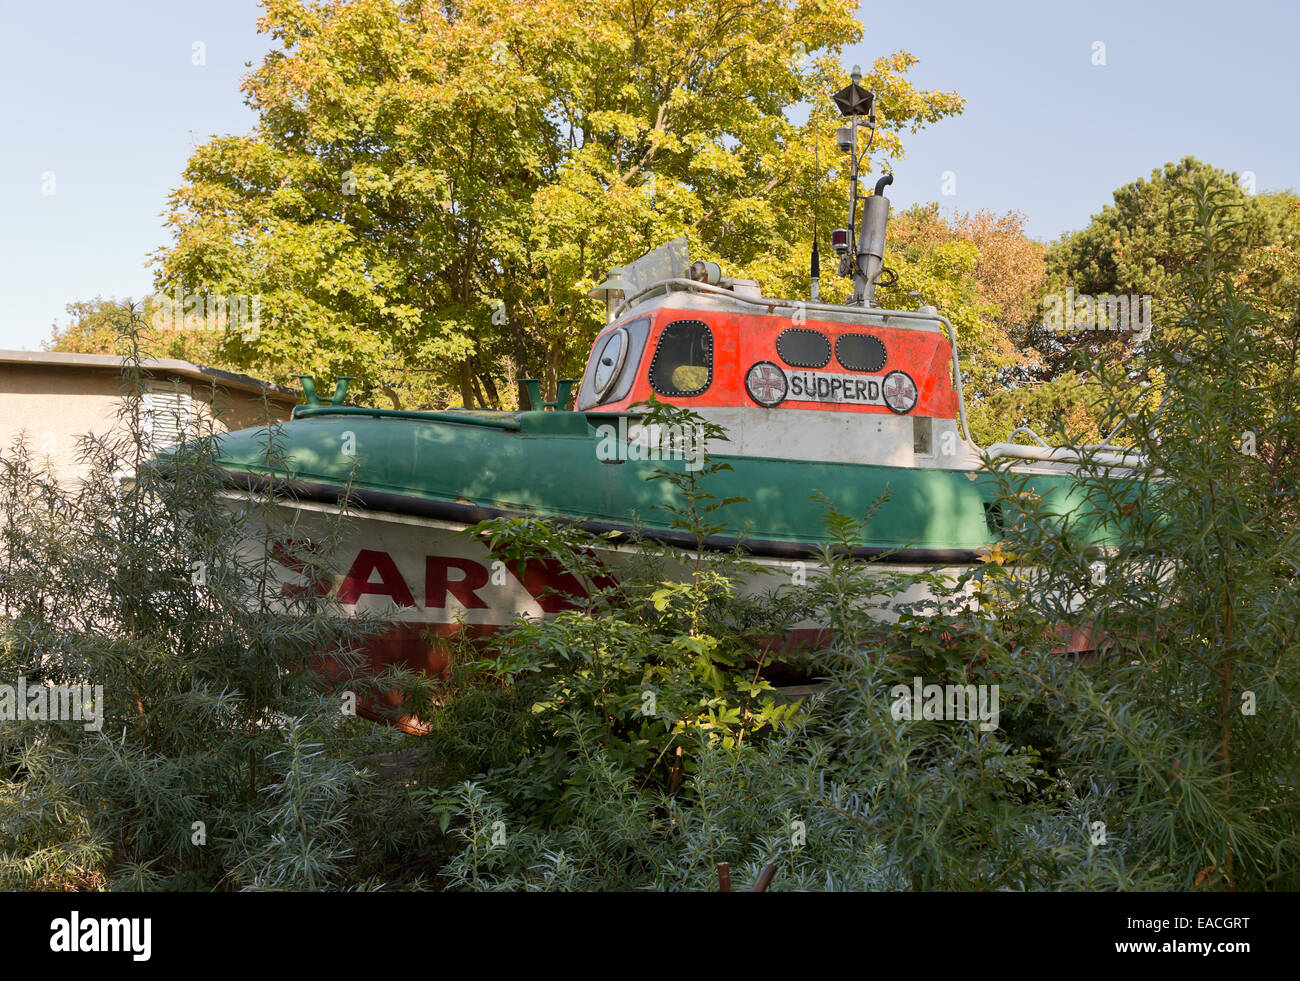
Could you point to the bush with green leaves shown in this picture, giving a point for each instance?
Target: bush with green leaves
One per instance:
(221, 759)
(651, 668)
(1165, 759)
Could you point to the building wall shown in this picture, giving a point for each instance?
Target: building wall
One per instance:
(54, 405)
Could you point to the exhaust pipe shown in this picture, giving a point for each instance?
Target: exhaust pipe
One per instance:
(871, 242)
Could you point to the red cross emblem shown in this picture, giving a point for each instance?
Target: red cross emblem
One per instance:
(766, 383)
(899, 391)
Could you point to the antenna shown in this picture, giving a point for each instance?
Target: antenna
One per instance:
(815, 291)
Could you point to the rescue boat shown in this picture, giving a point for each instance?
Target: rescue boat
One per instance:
(842, 403)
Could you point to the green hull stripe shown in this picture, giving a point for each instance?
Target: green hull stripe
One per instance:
(557, 474)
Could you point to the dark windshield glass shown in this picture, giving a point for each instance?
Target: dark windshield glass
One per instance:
(800, 347)
(683, 361)
(860, 352)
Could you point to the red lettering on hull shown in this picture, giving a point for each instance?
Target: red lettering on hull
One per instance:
(287, 553)
(357, 582)
(546, 581)
(438, 582)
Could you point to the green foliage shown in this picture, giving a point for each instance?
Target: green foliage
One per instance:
(1141, 245)
(102, 326)
(1140, 767)
(983, 273)
(1197, 712)
(1061, 410)
(649, 671)
(216, 760)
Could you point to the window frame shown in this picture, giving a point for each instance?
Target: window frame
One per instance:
(638, 332)
(672, 391)
(600, 392)
(802, 364)
(884, 350)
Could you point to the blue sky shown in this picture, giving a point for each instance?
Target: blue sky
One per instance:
(108, 99)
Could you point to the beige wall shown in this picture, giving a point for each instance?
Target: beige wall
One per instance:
(56, 404)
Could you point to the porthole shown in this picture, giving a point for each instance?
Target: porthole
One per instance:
(860, 352)
(683, 360)
(609, 362)
(801, 347)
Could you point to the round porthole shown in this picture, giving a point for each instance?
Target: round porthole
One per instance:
(801, 347)
(860, 352)
(899, 392)
(766, 384)
(609, 362)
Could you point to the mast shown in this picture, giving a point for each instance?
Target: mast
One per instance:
(862, 254)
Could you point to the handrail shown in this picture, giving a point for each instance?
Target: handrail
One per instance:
(1092, 451)
(1063, 454)
(1027, 430)
(463, 417)
(694, 286)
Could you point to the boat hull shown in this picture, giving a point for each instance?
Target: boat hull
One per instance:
(413, 484)
(557, 467)
(429, 582)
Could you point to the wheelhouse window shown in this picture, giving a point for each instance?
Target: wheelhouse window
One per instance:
(609, 362)
(683, 360)
(615, 359)
(801, 347)
(860, 352)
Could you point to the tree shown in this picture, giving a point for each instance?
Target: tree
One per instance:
(429, 191)
(982, 272)
(1139, 245)
(100, 326)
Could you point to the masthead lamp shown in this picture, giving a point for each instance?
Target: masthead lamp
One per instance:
(854, 100)
(612, 290)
